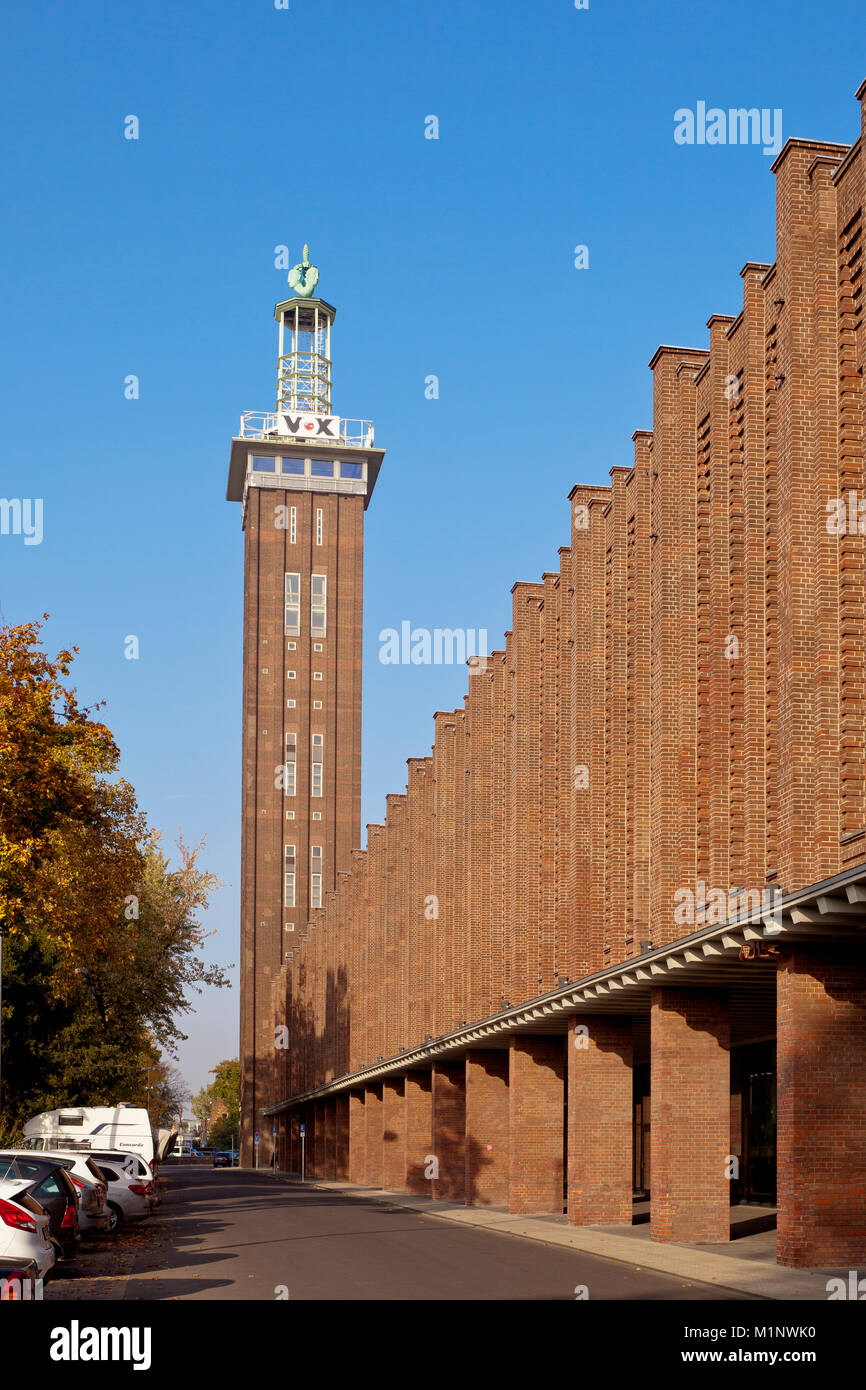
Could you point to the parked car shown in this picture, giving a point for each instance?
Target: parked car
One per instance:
(24, 1233)
(128, 1196)
(48, 1182)
(133, 1164)
(225, 1158)
(93, 1214)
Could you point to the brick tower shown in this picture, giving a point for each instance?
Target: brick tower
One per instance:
(304, 478)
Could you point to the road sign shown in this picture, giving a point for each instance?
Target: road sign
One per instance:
(303, 1129)
(257, 1136)
(274, 1131)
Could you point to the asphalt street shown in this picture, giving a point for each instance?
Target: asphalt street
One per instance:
(230, 1234)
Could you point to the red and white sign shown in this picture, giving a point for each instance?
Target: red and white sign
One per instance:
(309, 426)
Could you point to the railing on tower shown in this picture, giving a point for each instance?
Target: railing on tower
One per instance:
(268, 424)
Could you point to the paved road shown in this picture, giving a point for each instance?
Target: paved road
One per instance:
(229, 1234)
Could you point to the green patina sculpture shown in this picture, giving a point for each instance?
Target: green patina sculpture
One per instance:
(304, 277)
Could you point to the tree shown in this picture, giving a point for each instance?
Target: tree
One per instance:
(218, 1104)
(101, 936)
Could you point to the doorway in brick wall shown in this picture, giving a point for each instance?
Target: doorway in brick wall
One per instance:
(753, 1122)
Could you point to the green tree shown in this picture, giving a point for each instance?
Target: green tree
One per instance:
(102, 942)
(218, 1104)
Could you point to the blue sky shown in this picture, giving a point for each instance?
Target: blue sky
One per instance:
(455, 257)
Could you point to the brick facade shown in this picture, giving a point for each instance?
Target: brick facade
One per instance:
(678, 710)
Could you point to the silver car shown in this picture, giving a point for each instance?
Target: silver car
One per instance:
(93, 1214)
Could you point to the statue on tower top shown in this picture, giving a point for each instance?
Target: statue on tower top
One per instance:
(304, 277)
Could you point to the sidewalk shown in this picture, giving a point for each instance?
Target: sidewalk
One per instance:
(752, 1269)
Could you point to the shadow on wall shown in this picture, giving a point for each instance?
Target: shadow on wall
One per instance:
(300, 1065)
(452, 1172)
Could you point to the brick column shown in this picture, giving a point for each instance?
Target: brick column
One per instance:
(319, 1138)
(487, 1127)
(341, 1139)
(373, 1136)
(418, 1130)
(600, 1120)
(308, 1118)
(393, 1134)
(449, 1131)
(690, 1115)
(329, 1146)
(821, 1086)
(357, 1137)
(536, 1096)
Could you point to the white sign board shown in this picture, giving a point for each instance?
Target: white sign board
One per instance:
(309, 426)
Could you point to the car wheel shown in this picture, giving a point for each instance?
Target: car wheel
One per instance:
(115, 1216)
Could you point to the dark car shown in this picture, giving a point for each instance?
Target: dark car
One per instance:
(51, 1185)
(225, 1158)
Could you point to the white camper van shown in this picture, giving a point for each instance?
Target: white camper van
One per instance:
(123, 1126)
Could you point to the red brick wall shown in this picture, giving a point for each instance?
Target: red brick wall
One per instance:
(599, 1077)
(536, 1136)
(419, 1130)
(690, 1115)
(821, 1089)
(357, 1137)
(448, 1107)
(373, 1129)
(393, 1133)
(487, 1165)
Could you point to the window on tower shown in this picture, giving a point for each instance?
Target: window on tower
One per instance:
(260, 463)
(318, 604)
(291, 763)
(321, 468)
(315, 876)
(316, 778)
(293, 605)
(289, 870)
(351, 470)
(318, 526)
(295, 466)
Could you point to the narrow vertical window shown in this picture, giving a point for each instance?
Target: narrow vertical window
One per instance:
(318, 526)
(318, 604)
(315, 876)
(293, 605)
(316, 774)
(289, 873)
(291, 763)
(293, 525)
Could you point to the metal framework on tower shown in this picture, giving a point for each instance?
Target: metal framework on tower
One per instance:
(304, 361)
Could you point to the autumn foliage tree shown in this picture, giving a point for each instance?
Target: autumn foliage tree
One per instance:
(100, 935)
(219, 1104)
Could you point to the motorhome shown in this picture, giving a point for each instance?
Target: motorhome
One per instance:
(123, 1126)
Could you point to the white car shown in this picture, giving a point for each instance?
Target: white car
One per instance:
(138, 1169)
(129, 1196)
(24, 1234)
(93, 1213)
